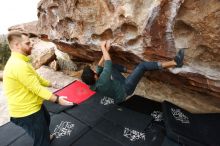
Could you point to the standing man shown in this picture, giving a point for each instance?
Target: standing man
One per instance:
(25, 91)
(109, 81)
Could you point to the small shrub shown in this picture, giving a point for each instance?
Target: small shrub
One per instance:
(4, 54)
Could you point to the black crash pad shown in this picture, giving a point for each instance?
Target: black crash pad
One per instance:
(55, 108)
(94, 138)
(128, 118)
(127, 136)
(101, 102)
(24, 140)
(90, 111)
(169, 142)
(66, 129)
(9, 132)
(146, 106)
(191, 129)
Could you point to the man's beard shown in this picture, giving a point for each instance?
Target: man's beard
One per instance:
(27, 51)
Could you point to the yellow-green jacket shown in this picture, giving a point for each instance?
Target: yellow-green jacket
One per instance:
(23, 87)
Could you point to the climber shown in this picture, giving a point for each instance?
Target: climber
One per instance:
(109, 81)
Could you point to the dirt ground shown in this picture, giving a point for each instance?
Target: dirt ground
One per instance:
(4, 116)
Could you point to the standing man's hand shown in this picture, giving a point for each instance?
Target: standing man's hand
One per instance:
(62, 101)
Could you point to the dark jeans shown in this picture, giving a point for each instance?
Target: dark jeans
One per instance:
(37, 126)
(132, 80)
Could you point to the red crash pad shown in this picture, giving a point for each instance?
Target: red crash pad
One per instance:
(76, 92)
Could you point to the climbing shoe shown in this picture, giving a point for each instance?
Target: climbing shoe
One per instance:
(179, 58)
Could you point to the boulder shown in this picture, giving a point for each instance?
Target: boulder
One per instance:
(30, 27)
(42, 53)
(54, 65)
(64, 61)
(141, 30)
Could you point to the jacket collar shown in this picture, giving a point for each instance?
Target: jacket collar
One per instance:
(20, 56)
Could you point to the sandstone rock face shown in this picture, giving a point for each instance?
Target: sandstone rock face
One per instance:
(132, 25)
(30, 27)
(197, 27)
(190, 100)
(141, 30)
(54, 65)
(64, 61)
(42, 53)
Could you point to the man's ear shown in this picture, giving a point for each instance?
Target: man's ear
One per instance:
(17, 44)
